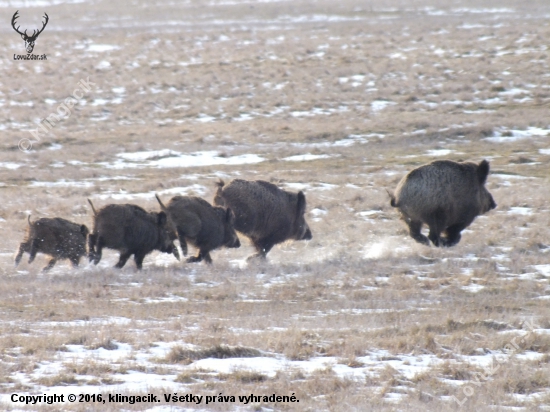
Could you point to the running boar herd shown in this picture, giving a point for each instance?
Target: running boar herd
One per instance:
(446, 196)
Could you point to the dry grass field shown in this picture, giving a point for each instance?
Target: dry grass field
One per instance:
(336, 98)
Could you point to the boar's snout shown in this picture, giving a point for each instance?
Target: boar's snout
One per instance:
(492, 205)
(488, 203)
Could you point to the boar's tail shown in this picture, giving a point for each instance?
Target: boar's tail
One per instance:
(162, 207)
(392, 198)
(220, 183)
(93, 208)
(29, 220)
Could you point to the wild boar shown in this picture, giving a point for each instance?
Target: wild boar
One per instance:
(445, 195)
(57, 237)
(130, 230)
(266, 214)
(204, 226)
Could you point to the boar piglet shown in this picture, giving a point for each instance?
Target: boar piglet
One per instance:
(56, 237)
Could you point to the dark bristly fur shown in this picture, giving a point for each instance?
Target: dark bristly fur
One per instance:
(204, 226)
(57, 237)
(445, 195)
(266, 214)
(132, 231)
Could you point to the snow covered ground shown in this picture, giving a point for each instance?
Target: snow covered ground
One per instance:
(336, 99)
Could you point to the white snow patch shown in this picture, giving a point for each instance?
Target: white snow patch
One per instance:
(101, 48)
(62, 183)
(318, 212)
(525, 211)
(439, 152)
(169, 158)
(543, 269)
(305, 157)
(194, 189)
(103, 65)
(473, 287)
(378, 105)
(9, 165)
(505, 136)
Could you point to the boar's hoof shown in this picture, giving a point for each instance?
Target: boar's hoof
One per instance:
(422, 239)
(194, 259)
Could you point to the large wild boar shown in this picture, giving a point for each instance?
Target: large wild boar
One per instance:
(266, 214)
(132, 231)
(204, 226)
(445, 195)
(57, 237)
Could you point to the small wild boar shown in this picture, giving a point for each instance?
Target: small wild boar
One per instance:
(204, 226)
(132, 231)
(445, 195)
(266, 214)
(57, 237)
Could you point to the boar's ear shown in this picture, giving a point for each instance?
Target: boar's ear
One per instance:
(229, 216)
(301, 208)
(84, 230)
(482, 171)
(161, 219)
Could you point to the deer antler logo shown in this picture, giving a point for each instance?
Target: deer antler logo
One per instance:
(29, 40)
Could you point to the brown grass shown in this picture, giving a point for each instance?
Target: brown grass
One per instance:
(361, 293)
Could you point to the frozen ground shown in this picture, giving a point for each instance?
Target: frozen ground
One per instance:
(338, 99)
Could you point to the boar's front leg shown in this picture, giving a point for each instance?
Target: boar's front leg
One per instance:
(124, 256)
(50, 264)
(23, 247)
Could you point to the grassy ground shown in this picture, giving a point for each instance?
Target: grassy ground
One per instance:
(365, 318)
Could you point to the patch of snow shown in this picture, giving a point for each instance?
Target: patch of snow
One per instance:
(543, 269)
(439, 152)
(525, 211)
(473, 287)
(378, 105)
(169, 158)
(9, 165)
(100, 48)
(194, 189)
(305, 157)
(506, 136)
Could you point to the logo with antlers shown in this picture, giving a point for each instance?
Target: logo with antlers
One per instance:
(29, 40)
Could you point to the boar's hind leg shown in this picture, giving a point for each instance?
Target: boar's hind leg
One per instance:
(23, 247)
(138, 258)
(33, 251)
(75, 261)
(453, 235)
(183, 243)
(415, 227)
(194, 259)
(124, 256)
(92, 240)
(202, 255)
(263, 246)
(435, 236)
(50, 265)
(436, 225)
